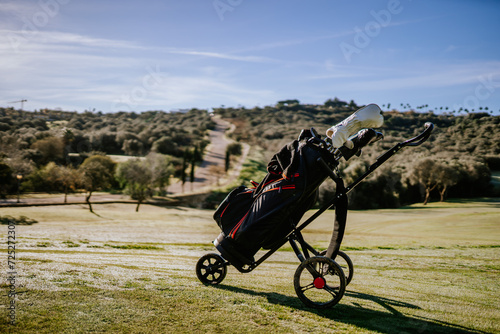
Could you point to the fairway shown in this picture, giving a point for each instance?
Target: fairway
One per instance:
(418, 269)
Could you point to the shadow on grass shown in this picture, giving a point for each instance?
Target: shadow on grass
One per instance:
(390, 322)
(448, 203)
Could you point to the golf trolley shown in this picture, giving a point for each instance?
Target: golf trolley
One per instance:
(322, 276)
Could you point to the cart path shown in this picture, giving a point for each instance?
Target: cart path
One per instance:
(214, 158)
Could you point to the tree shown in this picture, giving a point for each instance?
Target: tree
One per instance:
(136, 177)
(97, 173)
(132, 147)
(166, 145)
(51, 149)
(6, 179)
(432, 174)
(197, 154)
(64, 177)
(191, 173)
(234, 148)
(422, 174)
(287, 103)
(183, 171)
(161, 169)
(448, 174)
(335, 103)
(228, 161)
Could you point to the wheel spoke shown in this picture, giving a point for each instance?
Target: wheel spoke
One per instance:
(331, 290)
(312, 270)
(306, 287)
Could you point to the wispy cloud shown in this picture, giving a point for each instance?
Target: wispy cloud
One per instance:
(76, 68)
(17, 8)
(430, 76)
(208, 90)
(22, 40)
(19, 40)
(348, 31)
(256, 59)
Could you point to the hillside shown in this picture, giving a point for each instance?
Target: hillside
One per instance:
(459, 156)
(465, 148)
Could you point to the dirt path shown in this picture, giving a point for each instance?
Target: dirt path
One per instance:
(205, 178)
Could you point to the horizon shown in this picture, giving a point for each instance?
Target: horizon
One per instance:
(166, 55)
(444, 110)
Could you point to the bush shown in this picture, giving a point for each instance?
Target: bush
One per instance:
(22, 220)
(234, 149)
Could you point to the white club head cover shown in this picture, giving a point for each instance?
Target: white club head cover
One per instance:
(369, 116)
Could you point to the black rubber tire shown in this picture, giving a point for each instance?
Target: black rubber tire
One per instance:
(211, 269)
(319, 282)
(345, 263)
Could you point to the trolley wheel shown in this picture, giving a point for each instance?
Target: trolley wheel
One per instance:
(345, 263)
(319, 282)
(211, 269)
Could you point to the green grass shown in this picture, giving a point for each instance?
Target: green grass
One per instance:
(420, 269)
(135, 246)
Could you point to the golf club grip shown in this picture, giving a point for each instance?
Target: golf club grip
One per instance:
(418, 140)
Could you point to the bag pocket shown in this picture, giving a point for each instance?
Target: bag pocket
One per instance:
(233, 208)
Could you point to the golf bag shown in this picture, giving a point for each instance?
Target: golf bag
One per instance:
(259, 217)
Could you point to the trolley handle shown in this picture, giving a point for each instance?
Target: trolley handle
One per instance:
(418, 140)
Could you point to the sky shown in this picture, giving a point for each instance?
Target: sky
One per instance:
(167, 55)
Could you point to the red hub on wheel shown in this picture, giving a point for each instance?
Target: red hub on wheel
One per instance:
(319, 282)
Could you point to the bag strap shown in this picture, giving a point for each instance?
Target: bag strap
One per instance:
(340, 221)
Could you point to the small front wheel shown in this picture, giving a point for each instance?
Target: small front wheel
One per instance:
(319, 282)
(211, 269)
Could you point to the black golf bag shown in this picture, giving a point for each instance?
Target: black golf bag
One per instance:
(259, 217)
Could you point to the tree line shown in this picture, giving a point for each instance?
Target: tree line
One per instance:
(456, 161)
(125, 133)
(65, 151)
(55, 151)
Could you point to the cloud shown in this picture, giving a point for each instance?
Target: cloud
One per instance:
(255, 59)
(53, 69)
(188, 91)
(24, 40)
(17, 8)
(427, 75)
